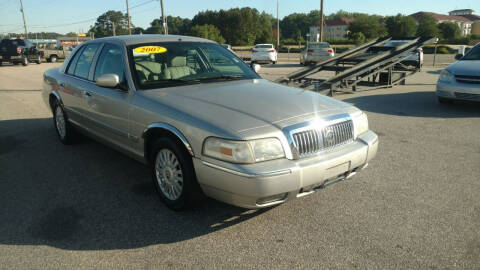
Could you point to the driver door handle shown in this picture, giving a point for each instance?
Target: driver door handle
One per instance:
(87, 93)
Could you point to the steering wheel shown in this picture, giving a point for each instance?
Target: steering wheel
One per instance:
(143, 66)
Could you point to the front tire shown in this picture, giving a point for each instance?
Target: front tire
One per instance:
(64, 129)
(39, 60)
(173, 175)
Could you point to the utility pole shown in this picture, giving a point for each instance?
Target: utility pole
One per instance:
(164, 21)
(128, 16)
(24, 22)
(321, 20)
(278, 28)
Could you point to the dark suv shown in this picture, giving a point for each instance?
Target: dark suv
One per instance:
(19, 51)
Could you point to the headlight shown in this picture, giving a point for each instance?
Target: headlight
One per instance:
(446, 76)
(243, 151)
(360, 123)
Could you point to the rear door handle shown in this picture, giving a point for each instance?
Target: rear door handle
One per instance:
(62, 84)
(87, 93)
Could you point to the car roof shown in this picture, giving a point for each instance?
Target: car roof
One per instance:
(148, 38)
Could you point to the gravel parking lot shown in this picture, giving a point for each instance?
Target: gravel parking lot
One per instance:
(86, 206)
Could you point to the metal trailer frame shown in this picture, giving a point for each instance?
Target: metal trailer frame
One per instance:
(356, 70)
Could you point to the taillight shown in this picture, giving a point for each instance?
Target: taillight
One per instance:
(309, 51)
(19, 50)
(330, 50)
(271, 50)
(254, 50)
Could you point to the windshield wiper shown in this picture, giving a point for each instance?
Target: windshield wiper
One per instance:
(221, 77)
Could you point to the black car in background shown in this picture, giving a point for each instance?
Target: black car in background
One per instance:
(19, 51)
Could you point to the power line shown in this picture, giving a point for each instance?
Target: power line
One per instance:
(88, 20)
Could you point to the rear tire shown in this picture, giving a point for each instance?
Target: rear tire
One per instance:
(53, 59)
(1, 63)
(39, 60)
(66, 133)
(173, 175)
(25, 61)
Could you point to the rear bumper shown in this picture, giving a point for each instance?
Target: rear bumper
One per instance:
(11, 58)
(318, 58)
(271, 57)
(274, 182)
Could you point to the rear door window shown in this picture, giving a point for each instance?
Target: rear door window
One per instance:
(82, 62)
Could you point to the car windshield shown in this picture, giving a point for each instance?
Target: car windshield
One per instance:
(318, 45)
(169, 64)
(473, 54)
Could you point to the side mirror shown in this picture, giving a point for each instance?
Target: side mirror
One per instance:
(458, 56)
(256, 67)
(108, 80)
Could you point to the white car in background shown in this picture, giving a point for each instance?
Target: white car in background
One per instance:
(264, 53)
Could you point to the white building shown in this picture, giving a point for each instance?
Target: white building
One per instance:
(464, 21)
(333, 30)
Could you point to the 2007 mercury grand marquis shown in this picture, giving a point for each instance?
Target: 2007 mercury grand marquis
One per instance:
(205, 121)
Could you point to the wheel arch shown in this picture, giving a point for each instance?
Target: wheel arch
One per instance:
(52, 97)
(163, 129)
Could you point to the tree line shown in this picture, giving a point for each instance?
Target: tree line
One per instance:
(248, 26)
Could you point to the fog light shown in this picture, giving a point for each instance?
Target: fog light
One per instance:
(272, 199)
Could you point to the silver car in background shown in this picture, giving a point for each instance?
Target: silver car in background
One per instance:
(461, 80)
(205, 122)
(413, 59)
(316, 52)
(264, 53)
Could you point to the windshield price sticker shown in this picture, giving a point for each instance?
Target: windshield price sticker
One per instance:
(150, 49)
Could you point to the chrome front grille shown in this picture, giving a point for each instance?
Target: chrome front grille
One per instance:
(307, 142)
(310, 141)
(337, 134)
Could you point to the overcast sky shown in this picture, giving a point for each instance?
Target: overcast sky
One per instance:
(78, 15)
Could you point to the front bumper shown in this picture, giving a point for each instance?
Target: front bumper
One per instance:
(459, 91)
(274, 182)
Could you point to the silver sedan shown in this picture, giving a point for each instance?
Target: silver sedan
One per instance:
(461, 80)
(205, 122)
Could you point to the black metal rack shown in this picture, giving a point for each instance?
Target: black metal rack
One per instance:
(367, 67)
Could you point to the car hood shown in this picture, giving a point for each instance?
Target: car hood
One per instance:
(247, 104)
(465, 67)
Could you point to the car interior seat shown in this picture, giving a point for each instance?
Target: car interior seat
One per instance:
(177, 68)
